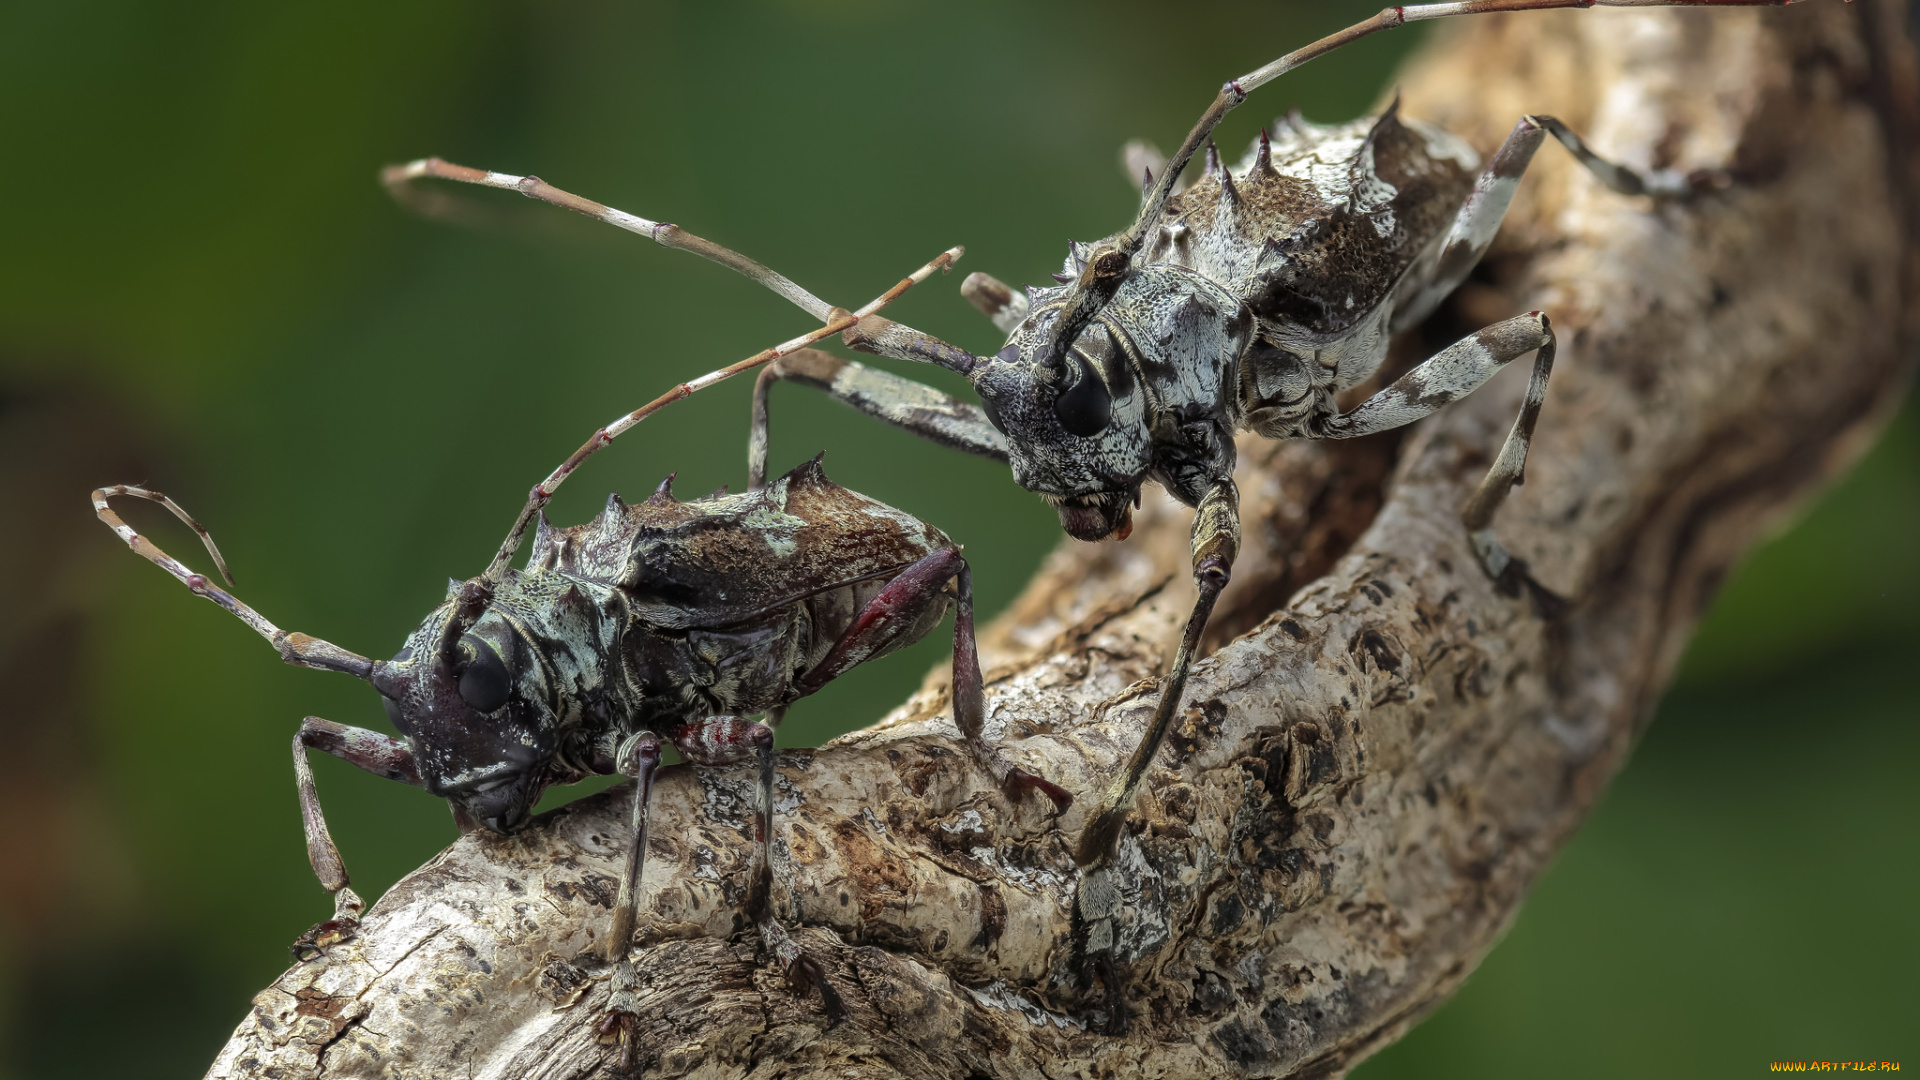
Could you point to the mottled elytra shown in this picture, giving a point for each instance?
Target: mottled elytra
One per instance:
(666, 620)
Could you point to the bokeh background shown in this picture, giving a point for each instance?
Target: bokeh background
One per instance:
(202, 287)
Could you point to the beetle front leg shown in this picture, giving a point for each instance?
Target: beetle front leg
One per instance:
(637, 758)
(1454, 373)
(379, 754)
(1006, 306)
(1215, 544)
(915, 407)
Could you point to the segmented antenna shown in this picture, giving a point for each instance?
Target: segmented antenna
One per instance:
(293, 647)
(839, 319)
(399, 182)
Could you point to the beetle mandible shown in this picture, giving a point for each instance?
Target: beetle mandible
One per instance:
(666, 619)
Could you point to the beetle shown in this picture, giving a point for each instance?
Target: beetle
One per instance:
(666, 619)
(1245, 302)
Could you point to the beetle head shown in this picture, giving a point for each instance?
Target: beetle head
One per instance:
(1076, 425)
(474, 704)
(1080, 429)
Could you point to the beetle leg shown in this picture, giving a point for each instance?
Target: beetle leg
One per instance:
(379, 754)
(803, 972)
(1454, 373)
(888, 617)
(637, 757)
(1480, 216)
(1097, 903)
(969, 708)
(915, 407)
(894, 612)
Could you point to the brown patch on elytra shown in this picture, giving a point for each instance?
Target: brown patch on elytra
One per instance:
(877, 877)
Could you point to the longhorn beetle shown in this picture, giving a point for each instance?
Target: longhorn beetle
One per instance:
(670, 619)
(1245, 302)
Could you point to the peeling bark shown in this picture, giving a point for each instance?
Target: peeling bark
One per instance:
(1383, 752)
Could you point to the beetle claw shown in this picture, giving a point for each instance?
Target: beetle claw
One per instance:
(322, 936)
(1020, 781)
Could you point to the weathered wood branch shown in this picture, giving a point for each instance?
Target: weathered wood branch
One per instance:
(1383, 752)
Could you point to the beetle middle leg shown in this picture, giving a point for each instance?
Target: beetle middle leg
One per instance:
(1450, 375)
(637, 758)
(803, 972)
(379, 754)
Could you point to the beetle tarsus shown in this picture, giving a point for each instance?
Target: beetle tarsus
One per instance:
(1019, 782)
(1100, 968)
(322, 936)
(620, 1025)
(806, 975)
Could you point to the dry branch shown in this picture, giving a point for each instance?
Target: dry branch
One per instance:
(1378, 764)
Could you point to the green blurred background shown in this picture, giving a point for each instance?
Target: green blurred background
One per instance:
(202, 287)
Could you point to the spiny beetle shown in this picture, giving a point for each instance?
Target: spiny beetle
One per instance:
(1246, 302)
(665, 619)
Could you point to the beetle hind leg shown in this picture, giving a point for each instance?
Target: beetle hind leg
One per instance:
(969, 710)
(1450, 375)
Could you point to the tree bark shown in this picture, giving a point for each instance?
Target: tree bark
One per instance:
(1384, 750)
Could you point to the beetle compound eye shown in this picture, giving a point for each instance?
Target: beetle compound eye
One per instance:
(989, 406)
(1084, 408)
(484, 683)
(393, 709)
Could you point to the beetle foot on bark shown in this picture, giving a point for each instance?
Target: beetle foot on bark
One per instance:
(1511, 576)
(804, 973)
(1018, 782)
(322, 936)
(622, 1020)
(1095, 906)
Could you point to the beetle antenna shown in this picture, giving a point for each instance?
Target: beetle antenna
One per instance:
(294, 647)
(838, 319)
(399, 181)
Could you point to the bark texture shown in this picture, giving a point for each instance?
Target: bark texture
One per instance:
(1383, 751)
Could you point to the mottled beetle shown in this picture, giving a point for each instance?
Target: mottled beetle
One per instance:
(666, 619)
(1243, 303)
